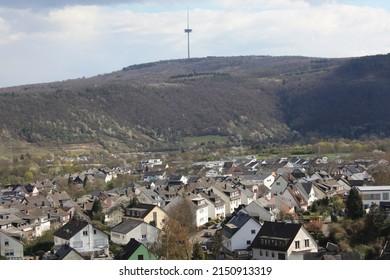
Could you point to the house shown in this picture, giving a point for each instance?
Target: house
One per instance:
(148, 195)
(57, 199)
(296, 196)
(135, 250)
(150, 163)
(65, 252)
(152, 176)
(216, 206)
(10, 247)
(228, 194)
(247, 196)
(148, 213)
(279, 185)
(282, 241)
(239, 232)
(37, 219)
(84, 237)
(197, 203)
(211, 173)
(374, 194)
(259, 212)
(134, 229)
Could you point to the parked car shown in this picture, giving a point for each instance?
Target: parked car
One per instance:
(217, 226)
(207, 234)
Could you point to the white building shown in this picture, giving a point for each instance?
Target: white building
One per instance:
(136, 229)
(239, 233)
(282, 241)
(374, 194)
(82, 236)
(10, 247)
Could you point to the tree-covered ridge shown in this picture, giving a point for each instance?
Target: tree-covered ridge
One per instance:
(243, 100)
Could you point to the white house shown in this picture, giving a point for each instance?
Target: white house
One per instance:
(282, 241)
(228, 194)
(239, 232)
(258, 211)
(247, 196)
(279, 185)
(216, 206)
(82, 236)
(374, 194)
(10, 247)
(136, 229)
(198, 205)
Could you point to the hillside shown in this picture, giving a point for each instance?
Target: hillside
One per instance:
(236, 100)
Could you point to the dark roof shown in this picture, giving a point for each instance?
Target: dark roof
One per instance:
(143, 208)
(282, 233)
(129, 249)
(126, 226)
(70, 229)
(63, 251)
(235, 224)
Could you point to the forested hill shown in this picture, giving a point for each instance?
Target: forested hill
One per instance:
(239, 100)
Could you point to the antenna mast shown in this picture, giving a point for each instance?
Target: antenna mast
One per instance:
(188, 30)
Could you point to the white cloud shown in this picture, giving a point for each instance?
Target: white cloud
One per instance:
(78, 41)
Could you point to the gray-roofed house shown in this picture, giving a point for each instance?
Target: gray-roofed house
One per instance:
(148, 213)
(10, 247)
(256, 210)
(216, 206)
(282, 241)
(239, 232)
(65, 252)
(84, 237)
(134, 229)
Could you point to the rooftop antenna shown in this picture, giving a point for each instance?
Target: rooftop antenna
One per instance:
(188, 30)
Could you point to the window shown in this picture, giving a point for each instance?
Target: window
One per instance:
(266, 253)
(140, 257)
(273, 255)
(261, 253)
(307, 243)
(85, 233)
(6, 243)
(94, 231)
(385, 196)
(144, 236)
(297, 244)
(253, 231)
(278, 183)
(248, 242)
(372, 196)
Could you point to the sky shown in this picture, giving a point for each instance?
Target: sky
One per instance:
(46, 40)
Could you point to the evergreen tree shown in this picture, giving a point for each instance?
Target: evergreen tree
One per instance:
(97, 211)
(197, 252)
(354, 205)
(374, 223)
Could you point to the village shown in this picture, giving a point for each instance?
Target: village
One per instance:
(235, 208)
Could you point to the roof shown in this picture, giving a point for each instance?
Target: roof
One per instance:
(278, 231)
(63, 251)
(129, 249)
(235, 224)
(126, 226)
(373, 188)
(70, 229)
(143, 208)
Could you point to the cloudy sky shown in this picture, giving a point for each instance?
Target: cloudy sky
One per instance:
(46, 40)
